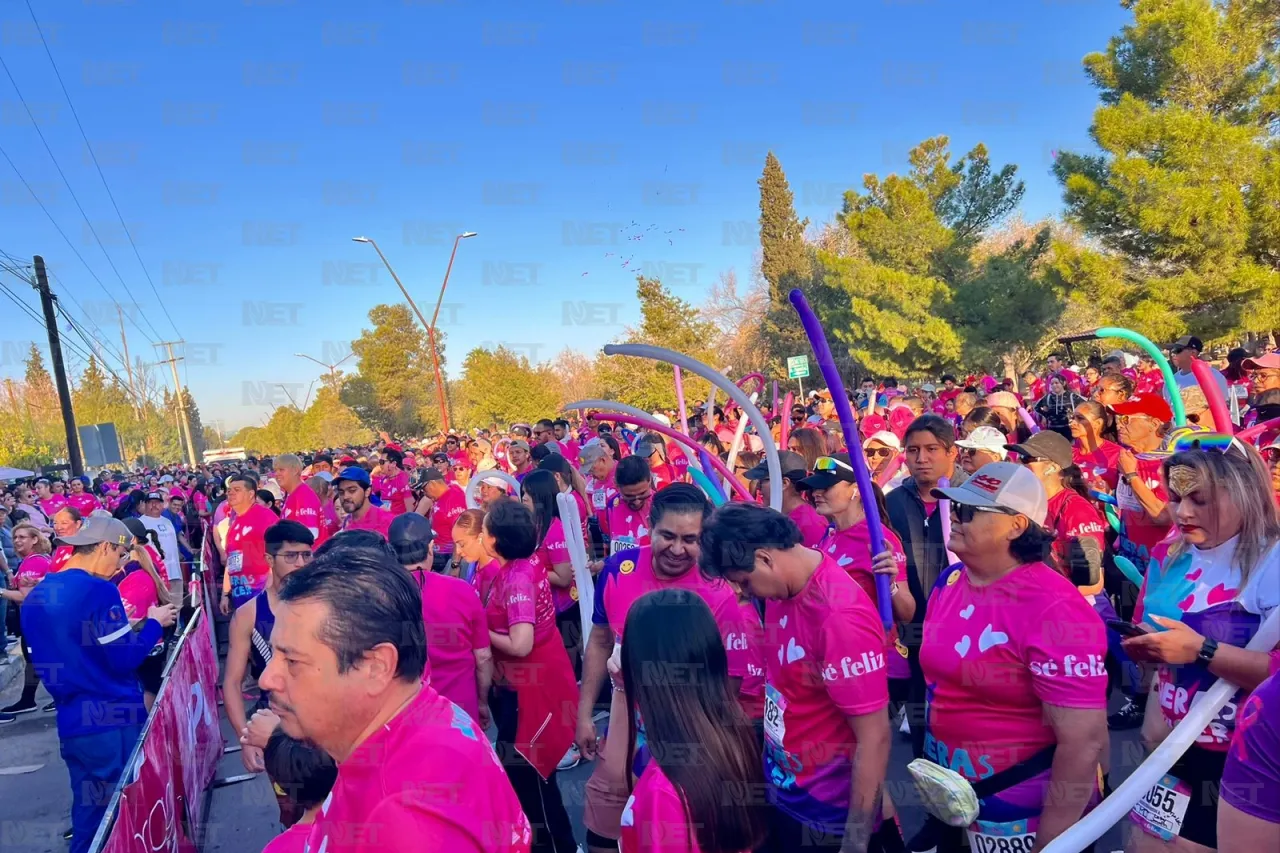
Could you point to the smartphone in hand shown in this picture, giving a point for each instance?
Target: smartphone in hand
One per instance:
(1127, 629)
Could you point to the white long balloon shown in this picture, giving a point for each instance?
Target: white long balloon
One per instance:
(1203, 709)
(472, 502)
(724, 383)
(572, 523)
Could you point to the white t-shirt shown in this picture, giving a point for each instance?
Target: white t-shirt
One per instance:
(168, 543)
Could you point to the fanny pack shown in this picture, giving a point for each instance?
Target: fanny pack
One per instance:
(952, 801)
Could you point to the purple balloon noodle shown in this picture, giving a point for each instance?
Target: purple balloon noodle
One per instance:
(866, 493)
(944, 514)
(705, 458)
(775, 398)
(684, 417)
(710, 461)
(1257, 429)
(1028, 420)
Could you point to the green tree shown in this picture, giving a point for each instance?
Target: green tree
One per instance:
(785, 263)
(666, 321)
(394, 386)
(328, 422)
(1185, 196)
(499, 386)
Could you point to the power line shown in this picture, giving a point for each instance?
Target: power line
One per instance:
(97, 166)
(66, 239)
(58, 166)
(37, 318)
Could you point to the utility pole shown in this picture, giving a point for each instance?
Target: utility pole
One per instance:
(185, 424)
(59, 371)
(128, 366)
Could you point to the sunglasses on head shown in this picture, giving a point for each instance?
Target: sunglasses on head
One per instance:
(1212, 442)
(965, 513)
(829, 465)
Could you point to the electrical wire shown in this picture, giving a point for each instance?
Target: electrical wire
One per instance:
(98, 167)
(4, 66)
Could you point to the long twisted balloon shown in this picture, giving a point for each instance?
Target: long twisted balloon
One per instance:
(818, 340)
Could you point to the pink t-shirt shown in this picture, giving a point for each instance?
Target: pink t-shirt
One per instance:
(993, 656)
(517, 592)
(84, 502)
(60, 556)
(600, 492)
(627, 527)
(654, 819)
(52, 504)
(456, 629)
(247, 552)
(851, 549)
(444, 514)
(32, 569)
(555, 549)
(302, 505)
(751, 696)
(138, 592)
(388, 798)
(292, 840)
(375, 518)
(628, 575)
(396, 494)
(813, 527)
(1099, 467)
(824, 662)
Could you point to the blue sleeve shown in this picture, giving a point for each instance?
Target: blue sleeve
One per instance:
(608, 574)
(122, 648)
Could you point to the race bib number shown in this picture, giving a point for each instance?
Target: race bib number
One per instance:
(775, 710)
(1013, 837)
(622, 543)
(235, 562)
(598, 499)
(1161, 810)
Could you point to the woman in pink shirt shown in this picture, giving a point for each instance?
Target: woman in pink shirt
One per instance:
(535, 696)
(32, 548)
(1095, 455)
(680, 805)
(1014, 661)
(141, 586)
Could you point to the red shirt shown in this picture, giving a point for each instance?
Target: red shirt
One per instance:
(303, 506)
(1074, 521)
(388, 798)
(396, 494)
(1099, 467)
(1139, 534)
(518, 592)
(375, 518)
(444, 513)
(247, 565)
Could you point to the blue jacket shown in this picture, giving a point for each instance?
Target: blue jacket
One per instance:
(85, 651)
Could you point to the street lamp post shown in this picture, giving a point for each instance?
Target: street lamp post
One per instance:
(431, 327)
(332, 368)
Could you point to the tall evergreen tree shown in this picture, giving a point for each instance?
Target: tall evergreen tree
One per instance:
(785, 262)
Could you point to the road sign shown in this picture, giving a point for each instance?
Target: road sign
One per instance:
(798, 367)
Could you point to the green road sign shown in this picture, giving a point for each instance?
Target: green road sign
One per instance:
(798, 367)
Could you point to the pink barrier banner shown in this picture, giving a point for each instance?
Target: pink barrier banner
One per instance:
(163, 807)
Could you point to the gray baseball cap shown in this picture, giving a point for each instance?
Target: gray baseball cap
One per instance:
(97, 529)
(1003, 485)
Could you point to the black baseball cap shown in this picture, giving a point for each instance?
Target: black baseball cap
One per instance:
(792, 467)
(430, 474)
(1046, 444)
(1187, 342)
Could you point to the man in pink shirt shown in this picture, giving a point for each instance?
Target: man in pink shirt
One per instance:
(415, 772)
(563, 435)
(826, 718)
(352, 485)
(82, 500)
(671, 561)
(448, 501)
(396, 495)
(246, 550)
(300, 503)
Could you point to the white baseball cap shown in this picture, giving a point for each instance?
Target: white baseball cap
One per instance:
(1003, 485)
(884, 437)
(986, 438)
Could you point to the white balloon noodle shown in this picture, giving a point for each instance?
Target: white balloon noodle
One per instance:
(572, 522)
(724, 383)
(741, 432)
(474, 485)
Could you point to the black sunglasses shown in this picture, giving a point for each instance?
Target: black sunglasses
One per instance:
(965, 513)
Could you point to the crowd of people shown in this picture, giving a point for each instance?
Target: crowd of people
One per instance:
(407, 660)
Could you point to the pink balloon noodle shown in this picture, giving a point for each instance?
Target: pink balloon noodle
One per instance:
(892, 468)
(1028, 420)
(758, 377)
(1213, 394)
(944, 515)
(684, 416)
(654, 426)
(784, 432)
(1258, 429)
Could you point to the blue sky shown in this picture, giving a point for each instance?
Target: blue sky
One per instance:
(247, 142)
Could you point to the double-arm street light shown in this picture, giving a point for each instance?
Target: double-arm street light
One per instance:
(431, 327)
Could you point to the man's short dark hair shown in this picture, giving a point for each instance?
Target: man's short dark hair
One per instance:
(322, 457)
(681, 499)
(345, 539)
(560, 422)
(513, 528)
(947, 377)
(540, 451)
(735, 531)
(544, 424)
(372, 600)
(936, 425)
(305, 772)
(393, 455)
(632, 470)
(281, 532)
(244, 477)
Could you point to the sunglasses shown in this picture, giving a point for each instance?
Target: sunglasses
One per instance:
(879, 452)
(1177, 350)
(830, 465)
(1213, 442)
(965, 513)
